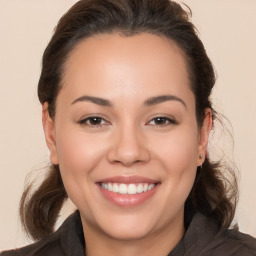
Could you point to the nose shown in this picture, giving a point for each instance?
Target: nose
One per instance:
(128, 147)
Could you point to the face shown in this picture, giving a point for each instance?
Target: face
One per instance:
(125, 134)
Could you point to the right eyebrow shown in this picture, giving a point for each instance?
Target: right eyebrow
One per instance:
(163, 98)
(95, 100)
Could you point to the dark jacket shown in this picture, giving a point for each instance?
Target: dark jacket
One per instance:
(202, 238)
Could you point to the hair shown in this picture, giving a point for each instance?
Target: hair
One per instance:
(212, 194)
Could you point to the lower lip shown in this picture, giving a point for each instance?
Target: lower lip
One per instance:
(128, 200)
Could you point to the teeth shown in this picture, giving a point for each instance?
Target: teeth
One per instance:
(123, 189)
(140, 188)
(110, 187)
(130, 189)
(115, 188)
(151, 186)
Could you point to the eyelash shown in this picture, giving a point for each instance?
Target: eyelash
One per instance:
(167, 121)
(164, 121)
(92, 119)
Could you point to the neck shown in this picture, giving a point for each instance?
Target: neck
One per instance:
(160, 242)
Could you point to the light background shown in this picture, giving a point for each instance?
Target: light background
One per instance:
(227, 29)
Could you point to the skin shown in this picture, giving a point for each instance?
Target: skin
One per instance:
(127, 140)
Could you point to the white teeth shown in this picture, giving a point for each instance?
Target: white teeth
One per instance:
(145, 187)
(115, 188)
(123, 189)
(151, 186)
(130, 189)
(110, 187)
(140, 188)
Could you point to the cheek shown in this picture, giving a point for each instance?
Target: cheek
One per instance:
(178, 149)
(78, 155)
(178, 157)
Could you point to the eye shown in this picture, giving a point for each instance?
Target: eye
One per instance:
(93, 121)
(161, 121)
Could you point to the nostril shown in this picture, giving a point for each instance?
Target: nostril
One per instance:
(128, 156)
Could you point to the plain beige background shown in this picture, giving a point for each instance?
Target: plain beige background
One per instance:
(227, 29)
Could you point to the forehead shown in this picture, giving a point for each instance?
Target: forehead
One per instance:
(111, 63)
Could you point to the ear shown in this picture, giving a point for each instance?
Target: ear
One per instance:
(49, 133)
(204, 136)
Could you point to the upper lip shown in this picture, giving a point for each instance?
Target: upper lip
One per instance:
(128, 180)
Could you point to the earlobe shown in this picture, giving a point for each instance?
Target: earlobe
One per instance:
(204, 136)
(49, 133)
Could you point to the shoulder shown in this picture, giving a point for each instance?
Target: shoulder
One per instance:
(49, 248)
(68, 238)
(235, 243)
(204, 238)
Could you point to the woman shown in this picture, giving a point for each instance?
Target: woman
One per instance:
(125, 91)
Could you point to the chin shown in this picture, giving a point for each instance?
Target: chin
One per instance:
(128, 233)
(130, 227)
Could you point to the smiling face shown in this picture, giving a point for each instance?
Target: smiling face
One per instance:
(125, 135)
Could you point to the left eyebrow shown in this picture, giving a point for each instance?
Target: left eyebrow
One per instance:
(95, 100)
(163, 98)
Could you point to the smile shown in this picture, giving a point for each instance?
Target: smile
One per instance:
(130, 189)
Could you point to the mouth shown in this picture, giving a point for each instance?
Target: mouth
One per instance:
(128, 191)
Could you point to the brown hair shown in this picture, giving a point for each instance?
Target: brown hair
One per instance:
(212, 194)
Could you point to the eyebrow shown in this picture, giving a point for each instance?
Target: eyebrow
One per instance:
(163, 98)
(95, 100)
(149, 102)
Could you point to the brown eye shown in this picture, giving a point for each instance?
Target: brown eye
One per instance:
(161, 121)
(93, 121)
